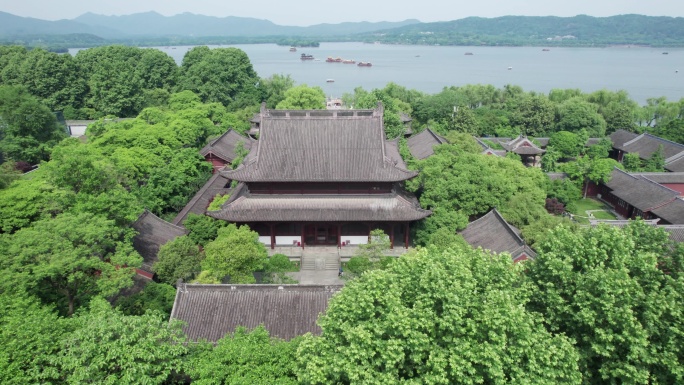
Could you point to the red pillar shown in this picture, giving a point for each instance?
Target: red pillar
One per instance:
(272, 236)
(406, 235)
(339, 235)
(392, 236)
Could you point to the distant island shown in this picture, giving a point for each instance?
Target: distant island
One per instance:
(153, 29)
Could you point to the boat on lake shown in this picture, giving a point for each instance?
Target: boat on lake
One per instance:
(546, 49)
(468, 54)
(364, 64)
(665, 53)
(330, 80)
(348, 61)
(330, 59)
(510, 68)
(306, 57)
(293, 49)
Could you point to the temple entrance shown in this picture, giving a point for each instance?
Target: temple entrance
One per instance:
(320, 234)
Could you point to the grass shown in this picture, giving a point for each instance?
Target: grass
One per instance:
(582, 205)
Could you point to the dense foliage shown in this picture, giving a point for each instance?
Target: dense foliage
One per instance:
(597, 306)
(452, 317)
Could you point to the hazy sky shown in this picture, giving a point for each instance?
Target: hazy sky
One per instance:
(308, 12)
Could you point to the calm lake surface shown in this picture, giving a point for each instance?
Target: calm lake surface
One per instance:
(642, 72)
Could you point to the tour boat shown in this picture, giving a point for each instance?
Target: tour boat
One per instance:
(364, 64)
(468, 53)
(330, 59)
(330, 80)
(293, 49)
(546, 49)
(306, 57)
(348, 61)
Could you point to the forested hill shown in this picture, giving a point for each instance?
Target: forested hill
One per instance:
(579, 30)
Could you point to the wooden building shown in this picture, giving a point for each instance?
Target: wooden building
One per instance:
(322, 177)
(153, 233)
(625, 142)
(222, 150)
(421, 145)
(645, 195)
(492, 232)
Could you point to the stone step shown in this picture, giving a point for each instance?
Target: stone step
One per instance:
(330, 262)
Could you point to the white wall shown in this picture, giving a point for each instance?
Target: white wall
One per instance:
(266, 240)
(77, 130)
(355, 239)
(287, 240)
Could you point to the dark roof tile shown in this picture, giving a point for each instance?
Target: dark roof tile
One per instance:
(286, 311)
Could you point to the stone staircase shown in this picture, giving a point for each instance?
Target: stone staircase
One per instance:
(320, 259)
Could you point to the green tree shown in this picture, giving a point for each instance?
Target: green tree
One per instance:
(303, 97)
(602, 287)
(157, 297)
(236, 252)
(567, 144)
(178, 259)
(632, 162)
(274, 87)
(656, 163)
(71, 258)
(450, 317)
(534, 115)
(28, 129)
(576, 114)
(246, 358)
(29, 336)
(203, 229)
(223, 75)
(109, 347)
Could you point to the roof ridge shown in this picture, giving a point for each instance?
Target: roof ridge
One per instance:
(642, 177)
(508, 226)
(627, 143)
(664, 140)
(144, 214)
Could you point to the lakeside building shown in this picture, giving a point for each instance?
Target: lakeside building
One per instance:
(322, 177)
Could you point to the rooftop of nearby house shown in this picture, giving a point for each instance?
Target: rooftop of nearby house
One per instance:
(225, 145)
(493, 233)
(421, 144)
(286, 311)
(153, 232)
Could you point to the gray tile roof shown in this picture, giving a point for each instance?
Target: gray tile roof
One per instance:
(493, 233)
(672, 212)
(224, 146)
(663, 177)
(641, 192)
(620, 137)
(646, 144)
(246, 207)
(392, 148)
(198, 204)
(522, 146)
(153, 232)
(286, 311)
(320, 146)
(421, 145)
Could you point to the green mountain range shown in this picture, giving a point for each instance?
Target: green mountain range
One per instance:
(151, 28)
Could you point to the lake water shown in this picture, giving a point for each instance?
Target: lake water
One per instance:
(642, 72)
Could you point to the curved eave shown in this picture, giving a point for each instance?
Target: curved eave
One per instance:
(320, 208)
